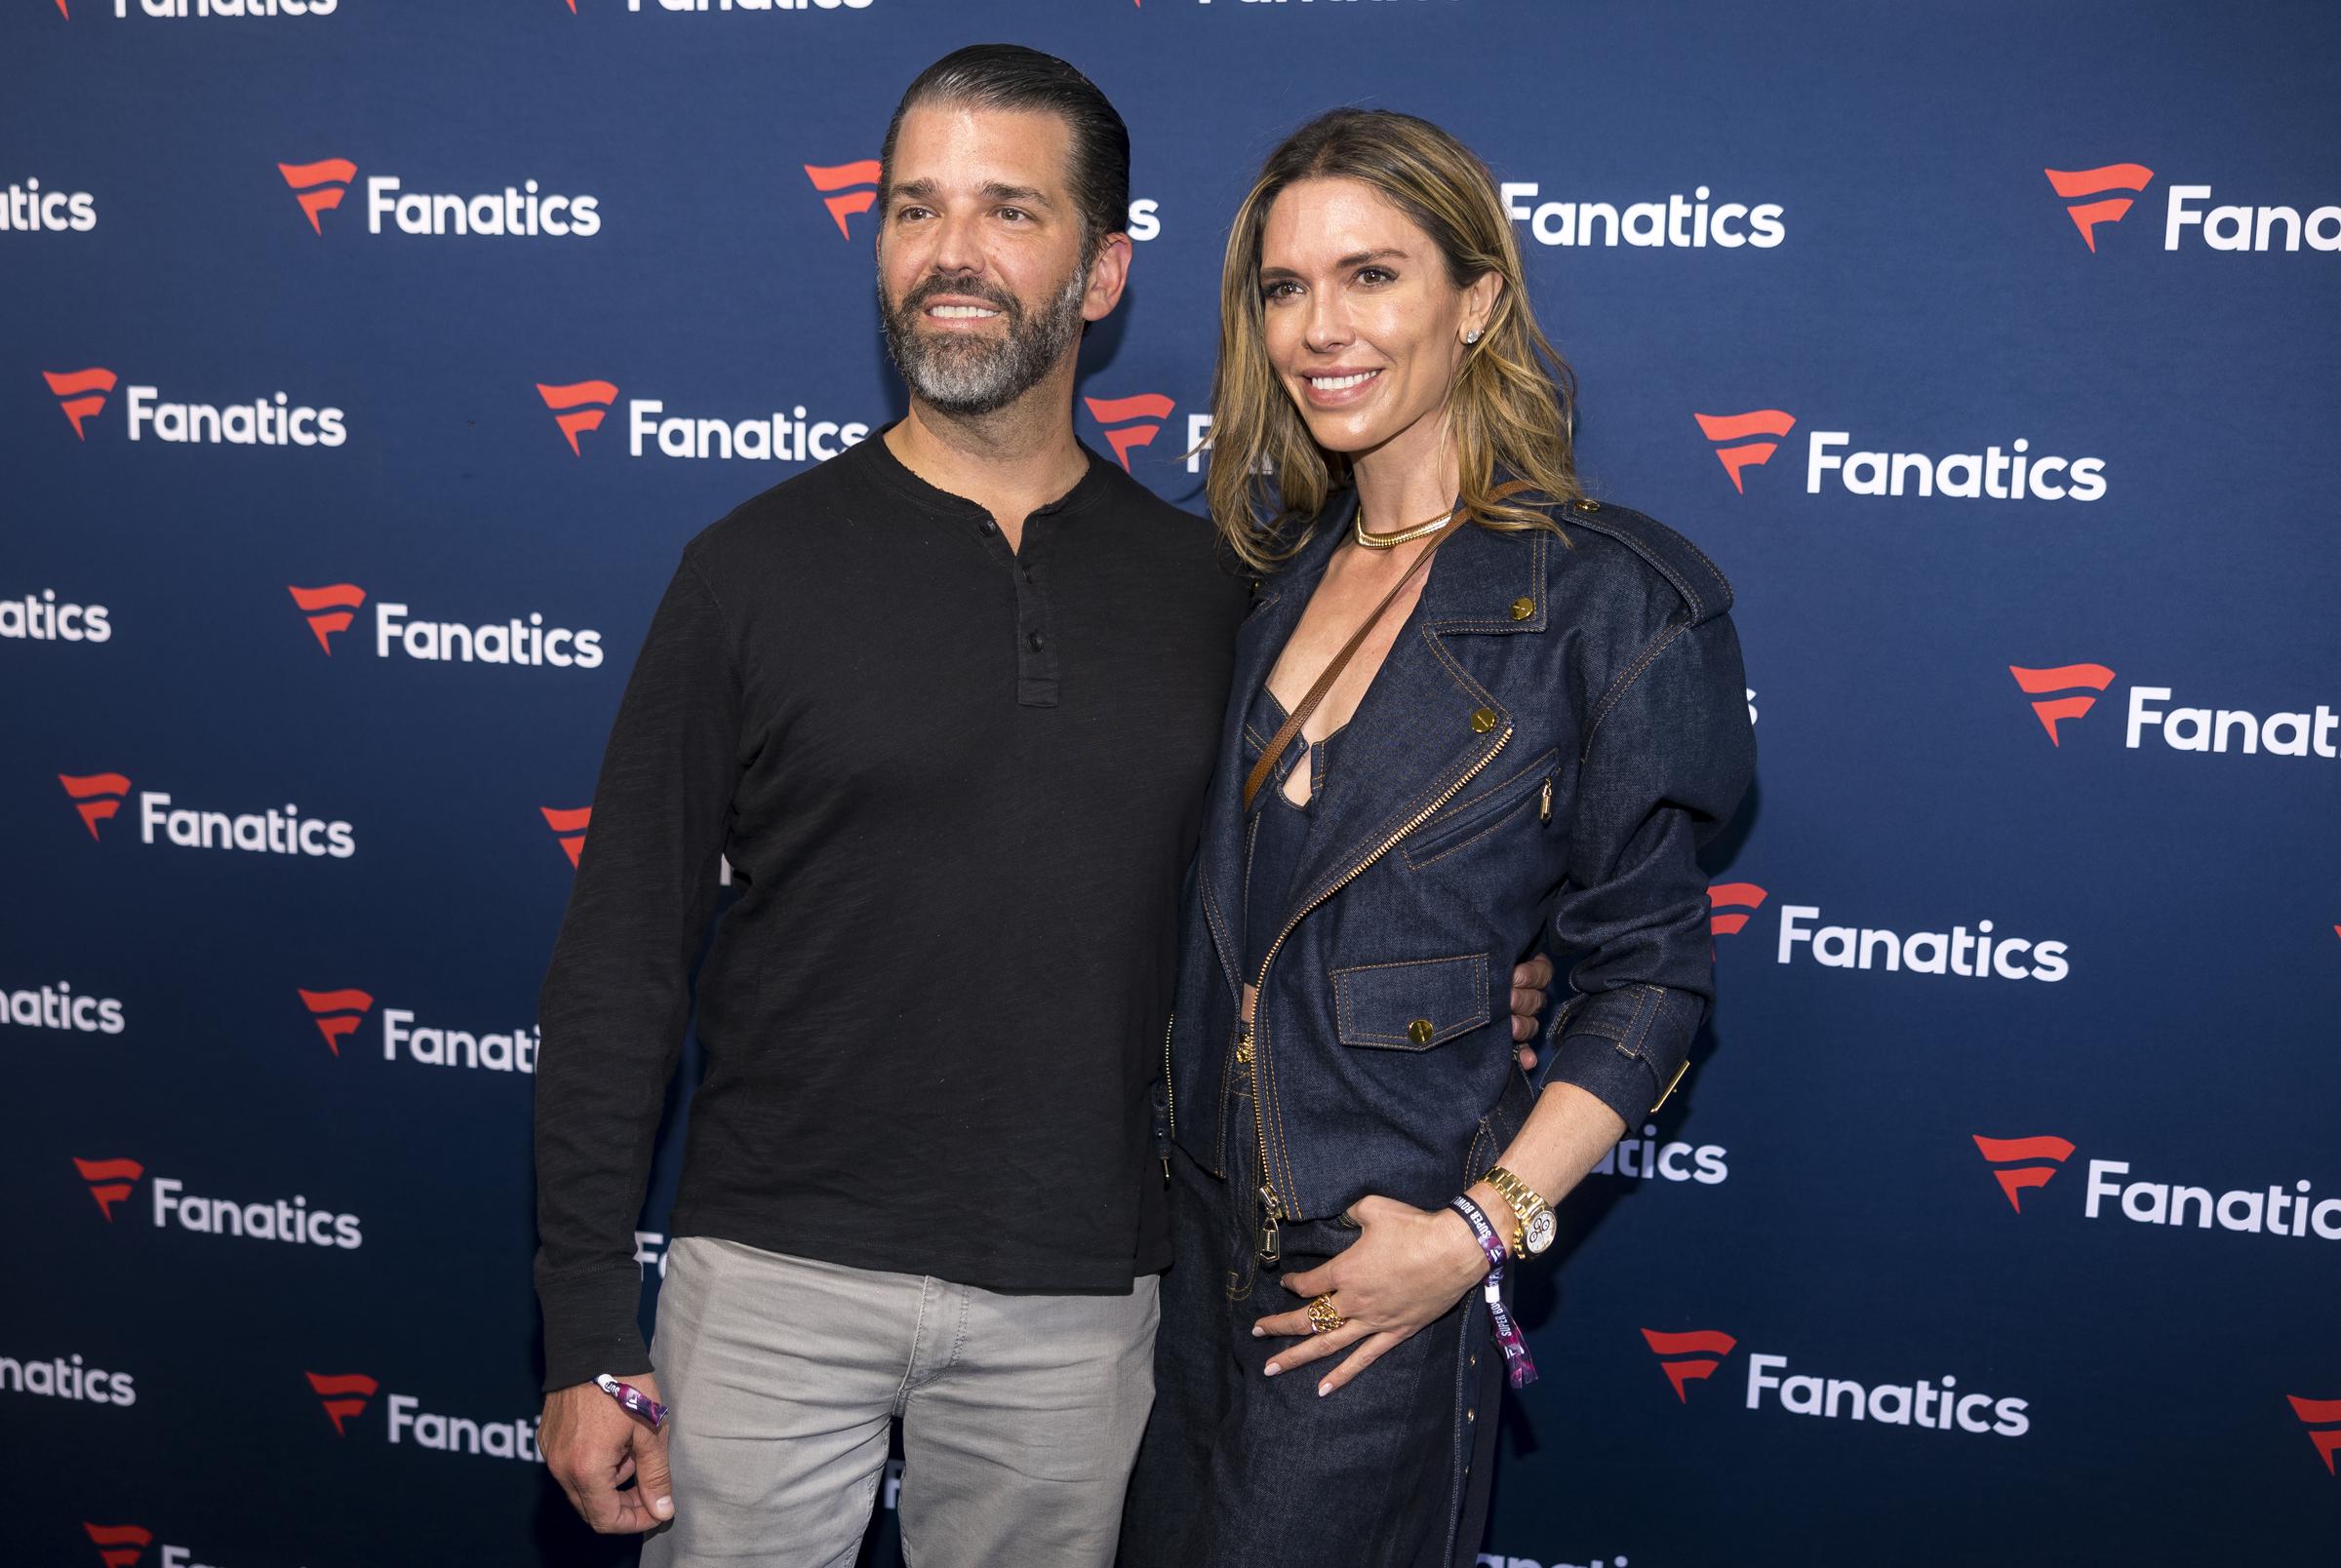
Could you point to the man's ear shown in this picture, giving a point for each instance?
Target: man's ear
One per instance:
(1109, 273)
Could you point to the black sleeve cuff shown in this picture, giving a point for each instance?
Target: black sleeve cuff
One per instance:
(592, 1325)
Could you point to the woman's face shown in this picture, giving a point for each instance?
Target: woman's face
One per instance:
(1364, 329)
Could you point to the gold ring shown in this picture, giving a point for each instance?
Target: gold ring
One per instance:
(1324, 1316)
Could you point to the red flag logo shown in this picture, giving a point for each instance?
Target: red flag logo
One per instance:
(1119, 418)
(118, 1544)
(2064, 678)
(328, 608)
(1735, 428)
(110, 1181)
(569, 827)
(342, 1394)
(95, 795)
(336, 1012)
(319, 186)
(2323, 1418)
(2016, 1161)
(843, 179)
(1689, 1357)
(2095, 182)
(579, 406)
(81, 393)
(1729, 905)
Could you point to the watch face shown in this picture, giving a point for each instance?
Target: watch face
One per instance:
(1541, 1231)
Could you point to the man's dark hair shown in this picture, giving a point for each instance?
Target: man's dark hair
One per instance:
(1010, 76)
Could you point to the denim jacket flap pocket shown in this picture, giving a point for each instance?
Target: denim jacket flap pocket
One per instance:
(1411, 1006)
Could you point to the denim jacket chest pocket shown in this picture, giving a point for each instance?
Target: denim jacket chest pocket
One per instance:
(1524, 798)
(1410, 1006)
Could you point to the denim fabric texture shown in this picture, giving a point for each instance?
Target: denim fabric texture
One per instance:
(1242, 1470)
(1557, 728)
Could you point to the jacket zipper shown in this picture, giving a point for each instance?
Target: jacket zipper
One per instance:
(1254, 1044)
(1544, 804)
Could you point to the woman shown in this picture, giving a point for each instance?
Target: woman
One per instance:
(1468, 700)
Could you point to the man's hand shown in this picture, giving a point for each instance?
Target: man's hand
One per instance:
(1530, 983)
(592, 1445)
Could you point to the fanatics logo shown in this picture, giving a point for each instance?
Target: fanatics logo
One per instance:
(569, 827)
(96, 795)
(2323, 1418)
(319, 186)
(2063, 678)
(579, 406)
(336, 1013)
(83, 393)
(343, 1395)
(1730, 904)
(1691, 1355)
(2071, 183)
(110, 1181)
(2016, 1163)
(1119, 418)
(328, 608)
(849, 188)
(118, 1544)
(1737, 427)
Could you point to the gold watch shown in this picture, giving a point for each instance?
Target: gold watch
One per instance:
(1535, 1224)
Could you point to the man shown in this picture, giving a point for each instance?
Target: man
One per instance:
(953, 694)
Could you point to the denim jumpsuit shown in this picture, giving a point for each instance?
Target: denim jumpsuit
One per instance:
(1560, 722)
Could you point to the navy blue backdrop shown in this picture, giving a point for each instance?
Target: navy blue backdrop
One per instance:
(1991, 348)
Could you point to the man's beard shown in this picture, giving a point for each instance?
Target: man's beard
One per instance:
(969, 377)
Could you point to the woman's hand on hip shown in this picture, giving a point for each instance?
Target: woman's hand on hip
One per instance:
(1406, 1267)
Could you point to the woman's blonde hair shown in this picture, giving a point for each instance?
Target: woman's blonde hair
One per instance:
(1512, 408)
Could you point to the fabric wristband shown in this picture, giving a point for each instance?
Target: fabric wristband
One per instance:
(632, 1398)
(1519, 1366)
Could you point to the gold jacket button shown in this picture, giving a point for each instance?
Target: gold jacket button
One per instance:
(1588, 504)
(1483, 720)
(1523, 608)
(1419, 1032)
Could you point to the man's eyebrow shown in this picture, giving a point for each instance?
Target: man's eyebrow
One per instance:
(994, 190)
(1024, 195)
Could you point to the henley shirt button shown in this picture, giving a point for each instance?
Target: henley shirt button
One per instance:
(1033, 642)
(988, 526)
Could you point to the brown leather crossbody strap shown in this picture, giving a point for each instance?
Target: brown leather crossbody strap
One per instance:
(1299, 715)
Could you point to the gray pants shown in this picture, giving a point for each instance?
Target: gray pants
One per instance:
(1020, 1414)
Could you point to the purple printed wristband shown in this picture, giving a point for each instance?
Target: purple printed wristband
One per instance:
(1519, 1366)
(632, 1398)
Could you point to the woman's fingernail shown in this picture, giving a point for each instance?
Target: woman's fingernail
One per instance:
(1257, 1332)
(1324, 1389)
(1271, 1369)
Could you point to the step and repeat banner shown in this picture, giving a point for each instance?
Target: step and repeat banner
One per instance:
(364, 365)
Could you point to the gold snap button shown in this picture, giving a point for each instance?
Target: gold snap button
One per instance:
(1483, 720)
(1419, 1032)
(1588, 504)
(1523, 608)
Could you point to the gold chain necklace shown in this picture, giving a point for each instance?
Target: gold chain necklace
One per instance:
(1391, 541)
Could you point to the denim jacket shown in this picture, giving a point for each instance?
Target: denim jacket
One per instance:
(1556, 730)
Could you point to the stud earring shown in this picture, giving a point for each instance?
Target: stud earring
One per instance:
(1472, 337)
